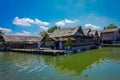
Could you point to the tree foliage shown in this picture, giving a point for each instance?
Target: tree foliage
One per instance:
(43, 33)
(110, 26)
(67, 43)
(1, 33)
(50, 30)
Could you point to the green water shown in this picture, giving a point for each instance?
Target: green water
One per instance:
(99, 64)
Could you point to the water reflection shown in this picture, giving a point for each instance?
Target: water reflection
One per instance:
(74, 64)
(89, 65)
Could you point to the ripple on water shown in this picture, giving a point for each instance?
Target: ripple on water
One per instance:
(92, 66)
(38, 66)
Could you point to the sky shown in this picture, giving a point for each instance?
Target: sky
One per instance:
(30, 17)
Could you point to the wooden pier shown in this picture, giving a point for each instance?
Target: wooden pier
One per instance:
(111, 45)
(40, 51)
(49, 51)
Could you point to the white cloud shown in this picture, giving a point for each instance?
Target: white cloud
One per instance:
(60, 23)
(69, 21)
(39, 22)
(24, 33)
(64, 22)
(5, 30)
(44, 28)
(23, 21)
(92, 26)
(29, 22)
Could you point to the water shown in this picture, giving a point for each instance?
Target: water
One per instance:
(100, 64)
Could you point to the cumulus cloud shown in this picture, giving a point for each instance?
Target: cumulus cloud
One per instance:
(26, 22)
(39, 22)
(24, 33)
(44, 28)
(5, 30)
(60, 23)
(64, 22)
(92, 26)
(23, 21)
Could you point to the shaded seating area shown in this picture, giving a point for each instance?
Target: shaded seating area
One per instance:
(110, 35)
(60, 39)
(15, 41)
(75, 35)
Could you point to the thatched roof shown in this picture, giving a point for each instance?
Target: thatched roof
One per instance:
(64, 32)
(94, 32)
(99, 33)
(15, 38)
(86, 32)
(110, 30)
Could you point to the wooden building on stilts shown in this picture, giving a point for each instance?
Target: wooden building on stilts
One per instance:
(64, 38)
(15, 41)
(73, 37)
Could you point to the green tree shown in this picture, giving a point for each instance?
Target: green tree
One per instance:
(110, 26)
(67, 43)
(50, 30)
(1, 33)
(43, 33)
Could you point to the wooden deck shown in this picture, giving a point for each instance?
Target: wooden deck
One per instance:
(49, 51)
(40, 51)
(111, 45)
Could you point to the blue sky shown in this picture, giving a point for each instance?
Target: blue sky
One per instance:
(29, 17)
